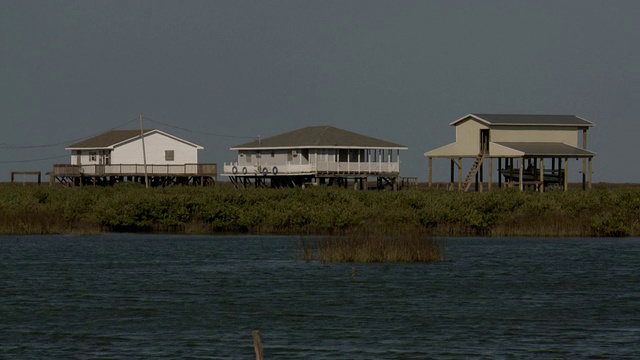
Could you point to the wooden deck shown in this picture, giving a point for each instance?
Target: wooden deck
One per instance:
(158, 175)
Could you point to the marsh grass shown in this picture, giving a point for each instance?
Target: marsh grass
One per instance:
(366, 245)
(602, 211)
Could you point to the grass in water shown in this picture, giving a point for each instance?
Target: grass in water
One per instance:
(365, 245)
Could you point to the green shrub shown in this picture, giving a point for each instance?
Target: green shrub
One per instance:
(610, 225)
(318, 210)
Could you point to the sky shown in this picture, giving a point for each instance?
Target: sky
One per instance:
(220, 73)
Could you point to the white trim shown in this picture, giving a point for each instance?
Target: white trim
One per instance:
(488, 123)
(90, 148)
(317, 147)
(583, 119)
(542, 125)
(466, 117)
(154, 131)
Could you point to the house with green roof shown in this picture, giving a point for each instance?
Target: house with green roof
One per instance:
(318, 155)
(531, 150)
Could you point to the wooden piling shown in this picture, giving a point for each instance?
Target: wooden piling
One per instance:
(257, 344)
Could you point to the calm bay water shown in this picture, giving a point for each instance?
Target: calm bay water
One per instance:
(123, 296)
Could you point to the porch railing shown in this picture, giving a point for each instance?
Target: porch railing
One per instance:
(135, 170)
(313, 168)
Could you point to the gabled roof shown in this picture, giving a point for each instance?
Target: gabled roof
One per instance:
(114, 137)
(319, 137)
(526, 120)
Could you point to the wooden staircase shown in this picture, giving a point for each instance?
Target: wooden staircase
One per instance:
(477, 164)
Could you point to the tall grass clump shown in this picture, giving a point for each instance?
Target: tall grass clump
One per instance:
(365, 245)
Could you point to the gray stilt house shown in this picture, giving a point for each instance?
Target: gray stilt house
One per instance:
(316, 155)
(531, 150)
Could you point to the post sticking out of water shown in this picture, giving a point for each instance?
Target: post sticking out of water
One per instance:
(257, 344)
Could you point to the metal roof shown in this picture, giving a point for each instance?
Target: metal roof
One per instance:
(319, 137)
(114, 137)
(527, 120)
(547, 149)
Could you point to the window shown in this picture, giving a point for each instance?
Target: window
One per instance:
(273, 154)
(168, 155)
(92, 156)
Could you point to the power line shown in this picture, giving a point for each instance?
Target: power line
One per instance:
(33, 160)
(39, 146)
(6, 146)
(199, 132)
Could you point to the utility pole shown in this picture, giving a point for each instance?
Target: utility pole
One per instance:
(144, 154)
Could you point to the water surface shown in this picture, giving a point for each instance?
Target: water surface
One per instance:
(123, 296)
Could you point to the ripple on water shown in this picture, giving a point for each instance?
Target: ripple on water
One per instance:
(165, 297)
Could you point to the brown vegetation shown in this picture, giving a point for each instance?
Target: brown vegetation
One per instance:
(366, 245)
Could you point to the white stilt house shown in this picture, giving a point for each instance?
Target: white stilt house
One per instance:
(319, 155)
(120, 155)
(531, 150)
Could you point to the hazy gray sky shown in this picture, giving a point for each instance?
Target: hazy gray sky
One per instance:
(396, 70)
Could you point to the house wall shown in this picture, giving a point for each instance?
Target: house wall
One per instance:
(311, 161)
(155, 146)
(282, 158)
(311, 156)
(468, 135)
(90, 157)
(255, 158)
(535, 134)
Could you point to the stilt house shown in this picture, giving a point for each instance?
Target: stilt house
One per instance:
(317, 155)
(531, 150)
(125, 155)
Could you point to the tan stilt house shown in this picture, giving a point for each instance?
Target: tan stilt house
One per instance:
(316, 155)
(531, 150)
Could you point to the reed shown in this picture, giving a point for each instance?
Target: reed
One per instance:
(366, 245)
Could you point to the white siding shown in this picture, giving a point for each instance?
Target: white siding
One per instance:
(325, 160)
(155, 146)
(86, 158)
(280, 157)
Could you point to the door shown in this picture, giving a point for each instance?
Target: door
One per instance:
(484, 141)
